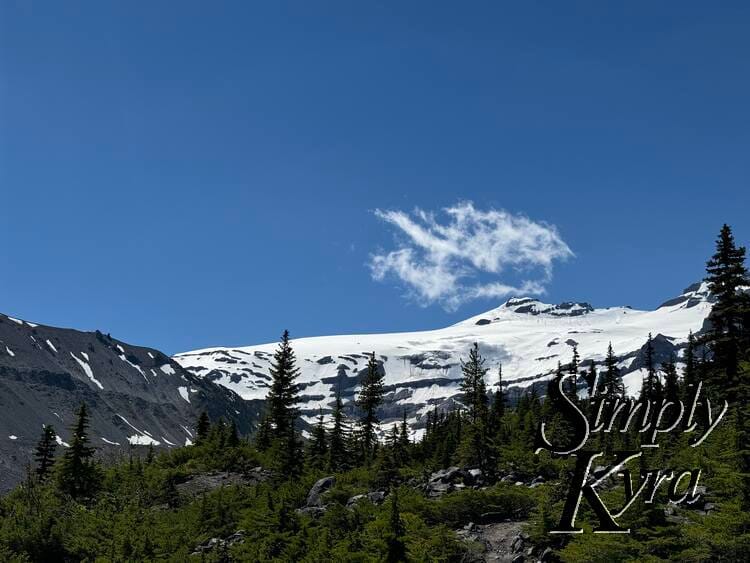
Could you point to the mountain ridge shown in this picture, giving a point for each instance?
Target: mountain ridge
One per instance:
(422, 368)
(136, 395)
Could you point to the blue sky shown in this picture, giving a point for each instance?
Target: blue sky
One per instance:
(189, 174)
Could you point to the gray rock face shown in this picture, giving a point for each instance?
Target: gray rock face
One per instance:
(315, 496)
(201, 483)
(134, 395)
(664, 349)
(208, 546)
(375, 497)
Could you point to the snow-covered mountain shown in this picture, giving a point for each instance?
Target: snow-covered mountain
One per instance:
(423, 369)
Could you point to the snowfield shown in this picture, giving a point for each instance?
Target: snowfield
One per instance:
(423, 369)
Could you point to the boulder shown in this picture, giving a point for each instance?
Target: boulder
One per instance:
(315, 496)
(438, 489)
(476, 476)
(448, 475)
(375, 497)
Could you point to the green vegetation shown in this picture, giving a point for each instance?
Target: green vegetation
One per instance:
(232, 498)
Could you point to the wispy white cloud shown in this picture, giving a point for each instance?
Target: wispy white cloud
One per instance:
(441, 262)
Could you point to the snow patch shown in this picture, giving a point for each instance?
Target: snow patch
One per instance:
(11, 353)
(110, 442)
(51, 346)
(13, 437)
(17, 321)
(136, 366)
(87, 369)
(168, 369)
(141, 440)
(61, 443)
(184, 393)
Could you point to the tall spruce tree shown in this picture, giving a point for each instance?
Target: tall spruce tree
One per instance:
(282, 400)
(264, 436)
(369, 399)
(473, 386)
(671, 381)
(729, 339)
(689, 373)
(572, 388)
(396, 532)
(476, 447)
(591, 379)
(202, 427)
(318, 448)
(338, 448)
(613, 385)
(726, 274)
(651, 387)
(497, 410)
(45, 452)
(78, 474)
(404, 433)
(233, 438)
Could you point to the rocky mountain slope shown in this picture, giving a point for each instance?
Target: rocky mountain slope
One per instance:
(422, 369)
(136, 396)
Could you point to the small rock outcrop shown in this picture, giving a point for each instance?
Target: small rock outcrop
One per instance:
(237, 537)
(321, 486)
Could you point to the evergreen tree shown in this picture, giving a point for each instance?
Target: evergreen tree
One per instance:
(404, 434)
(318, 449)
(476, 445)
(369, 399)
(219, 434)
(671, 381)
(729, 338)
(560, 430)
(651, 388)
(338, 449)
(473, 386)
(233, 438)
(45, 452)
(689, 374)
(591, 379)
(78, 474)
(572, 389)
(726, 274)
(613, 385)
(498, 404)
(202, 427)
(282, 401)
(396, 532)
(263, 435)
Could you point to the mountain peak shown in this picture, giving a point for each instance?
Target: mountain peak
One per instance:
(529, 306)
